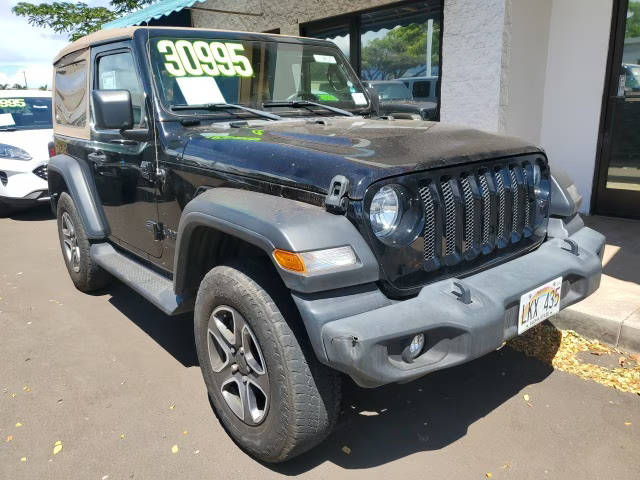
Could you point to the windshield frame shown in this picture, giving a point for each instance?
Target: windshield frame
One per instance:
(147, 39)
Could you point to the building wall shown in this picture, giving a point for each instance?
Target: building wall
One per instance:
(576, 65)
(473, 68)
(287, 15)
(527, 68)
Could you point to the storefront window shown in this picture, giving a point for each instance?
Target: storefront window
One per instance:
(399, 42)
(395, 50)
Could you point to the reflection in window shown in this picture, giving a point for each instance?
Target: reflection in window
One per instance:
(400, 42)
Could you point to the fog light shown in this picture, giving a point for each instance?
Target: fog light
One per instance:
(414, 348)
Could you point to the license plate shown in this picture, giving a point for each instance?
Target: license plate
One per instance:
(539, 304)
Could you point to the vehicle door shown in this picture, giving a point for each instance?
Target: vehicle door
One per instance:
(123, 168)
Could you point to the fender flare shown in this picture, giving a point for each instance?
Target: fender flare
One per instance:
(81, 187)
(271, 222)
(565, 199)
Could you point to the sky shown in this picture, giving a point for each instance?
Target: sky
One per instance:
(28, 49)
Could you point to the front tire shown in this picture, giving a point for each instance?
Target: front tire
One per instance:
(85, 273)
(270, 393)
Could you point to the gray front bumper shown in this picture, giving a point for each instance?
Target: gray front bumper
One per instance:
(362, 333)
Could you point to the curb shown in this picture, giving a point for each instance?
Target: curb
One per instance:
(623, 334)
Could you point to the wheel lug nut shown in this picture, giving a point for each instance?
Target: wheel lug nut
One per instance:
(232, 350)
(244, 379)
(241, 351)
(234, 368)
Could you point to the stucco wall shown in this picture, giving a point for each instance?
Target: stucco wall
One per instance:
(527, 68)
(577, 57)
(286, 15)
(473, 66)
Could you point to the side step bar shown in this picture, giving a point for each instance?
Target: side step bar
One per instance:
(151, 285)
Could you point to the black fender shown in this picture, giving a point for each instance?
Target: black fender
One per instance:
(271, 222)
(80, 185)
(565, 199)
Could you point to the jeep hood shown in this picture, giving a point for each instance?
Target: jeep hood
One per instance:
(308, 153)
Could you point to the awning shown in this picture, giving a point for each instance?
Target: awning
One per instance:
(153, 11)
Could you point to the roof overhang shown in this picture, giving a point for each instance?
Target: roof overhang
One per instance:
(152, 12)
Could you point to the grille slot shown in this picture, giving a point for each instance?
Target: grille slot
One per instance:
(501, 203)
(449, 218)
(469, 214)
(3, 178)
(486, 209)
(429, 224)
(474, 212)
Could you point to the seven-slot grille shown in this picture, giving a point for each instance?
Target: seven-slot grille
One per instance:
(476, 211)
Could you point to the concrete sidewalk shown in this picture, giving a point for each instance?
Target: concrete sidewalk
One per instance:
(612, 314)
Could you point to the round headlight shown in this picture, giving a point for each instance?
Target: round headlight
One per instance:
(385, 211)
(13, 153)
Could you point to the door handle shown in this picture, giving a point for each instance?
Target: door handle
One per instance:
(98, 157)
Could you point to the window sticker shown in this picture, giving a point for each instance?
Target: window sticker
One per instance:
(200, 90)
(324, 58)
(12, 103)
(6, 120)
(359, 98)
(108, 80)
(186, 58)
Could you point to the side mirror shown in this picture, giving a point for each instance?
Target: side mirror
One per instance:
(375, 99)
(112, 109)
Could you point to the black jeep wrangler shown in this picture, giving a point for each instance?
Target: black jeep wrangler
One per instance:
(248, 178)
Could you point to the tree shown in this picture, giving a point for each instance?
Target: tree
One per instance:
(400, 49)
(4, 86)
(17, 86)
(74, 19)
(633, 20)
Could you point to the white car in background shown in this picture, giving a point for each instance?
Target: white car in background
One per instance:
(25, 147)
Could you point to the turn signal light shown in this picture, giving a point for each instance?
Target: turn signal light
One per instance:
(289, 261)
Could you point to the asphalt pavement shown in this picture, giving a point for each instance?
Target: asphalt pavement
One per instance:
(117, 383)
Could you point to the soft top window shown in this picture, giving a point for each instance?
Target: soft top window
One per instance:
(70, 95)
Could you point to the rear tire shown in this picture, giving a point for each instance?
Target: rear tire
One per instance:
(85, 273)
(302, 398)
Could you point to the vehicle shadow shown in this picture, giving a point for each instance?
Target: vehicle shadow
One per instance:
(174, 334)
(391, 422)
(35, 214)
(384, 424)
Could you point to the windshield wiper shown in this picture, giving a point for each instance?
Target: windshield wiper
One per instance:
(226, 106)
(306, 104)
(7, 129)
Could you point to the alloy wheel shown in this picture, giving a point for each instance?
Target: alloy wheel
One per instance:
(70, 241)
(238, 365)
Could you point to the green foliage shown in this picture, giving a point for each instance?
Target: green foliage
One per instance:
(633, 20)
(400, 49)
(17, 86)
(74, 19)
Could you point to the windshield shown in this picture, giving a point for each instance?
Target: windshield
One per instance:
(25, 113)
(199, 71)
(392, 91)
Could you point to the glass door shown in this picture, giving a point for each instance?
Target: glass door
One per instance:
(619, 173)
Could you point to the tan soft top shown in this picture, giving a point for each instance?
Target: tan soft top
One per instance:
(105, 36)
(96, 37)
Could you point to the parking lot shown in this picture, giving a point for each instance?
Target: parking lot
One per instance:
(117, 383)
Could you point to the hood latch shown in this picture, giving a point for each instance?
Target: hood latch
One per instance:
(337, 199)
